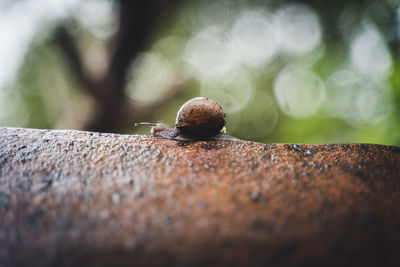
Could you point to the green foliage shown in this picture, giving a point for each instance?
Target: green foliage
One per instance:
(46, 95)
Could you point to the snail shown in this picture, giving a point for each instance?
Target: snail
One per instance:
(199, 118)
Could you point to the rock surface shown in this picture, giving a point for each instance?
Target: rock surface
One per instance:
(72, 198)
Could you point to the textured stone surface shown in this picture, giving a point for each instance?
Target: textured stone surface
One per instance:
(71, 198)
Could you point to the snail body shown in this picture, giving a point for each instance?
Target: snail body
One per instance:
(199, 118)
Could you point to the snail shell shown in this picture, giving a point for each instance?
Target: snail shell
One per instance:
(199, 118)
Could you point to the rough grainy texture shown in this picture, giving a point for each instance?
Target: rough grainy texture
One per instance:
(71, 198)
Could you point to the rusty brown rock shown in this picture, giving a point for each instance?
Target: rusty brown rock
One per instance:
(71, 198)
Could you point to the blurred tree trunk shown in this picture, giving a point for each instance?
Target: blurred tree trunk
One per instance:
(137, 20)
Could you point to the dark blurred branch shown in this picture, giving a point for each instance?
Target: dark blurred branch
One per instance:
(135, 22)
(66, 43)
(113, 110)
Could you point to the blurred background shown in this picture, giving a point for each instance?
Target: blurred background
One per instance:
(284, 71)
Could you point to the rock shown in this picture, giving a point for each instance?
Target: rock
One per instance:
(73, 198)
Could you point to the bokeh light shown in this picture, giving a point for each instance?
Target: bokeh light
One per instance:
(208, 54)
(357, 99)
(152, 77)
(233, 92)
(369, 54)
(299, 93)
(252, 38)
(297, 29)
(278, 68)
